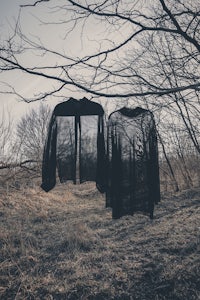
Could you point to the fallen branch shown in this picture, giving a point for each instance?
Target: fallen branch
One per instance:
(14, 165)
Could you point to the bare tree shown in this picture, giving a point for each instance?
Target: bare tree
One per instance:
(176, 66)
(31, 136)
(179, 158)
(6, 139)
(9, 150)
(147, 51)
(134, 26)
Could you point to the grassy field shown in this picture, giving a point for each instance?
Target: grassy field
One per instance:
(65, 245)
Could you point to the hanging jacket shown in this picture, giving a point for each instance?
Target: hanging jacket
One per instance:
(75, 144)
(133, 173)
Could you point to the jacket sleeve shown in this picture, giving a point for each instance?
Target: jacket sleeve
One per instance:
(49, 157)
(101, 176)
(154, 161)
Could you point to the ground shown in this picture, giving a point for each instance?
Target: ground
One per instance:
(65, 245)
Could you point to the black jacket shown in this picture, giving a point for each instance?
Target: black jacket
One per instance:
(75, 144)
(133, 181)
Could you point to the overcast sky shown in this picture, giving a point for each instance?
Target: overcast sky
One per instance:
(53, 36)
(9, 11)
(76, 44)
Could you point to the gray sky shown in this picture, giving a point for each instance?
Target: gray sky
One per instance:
(76, 44)
(53, 36)
(9, 10)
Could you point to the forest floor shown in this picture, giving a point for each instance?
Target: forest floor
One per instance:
(65, 245)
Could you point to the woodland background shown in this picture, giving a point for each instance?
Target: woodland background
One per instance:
(64, 244)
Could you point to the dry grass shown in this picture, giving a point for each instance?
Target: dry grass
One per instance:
(64, 245)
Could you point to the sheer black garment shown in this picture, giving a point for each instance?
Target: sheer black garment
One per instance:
(133, 181)
(75, 144)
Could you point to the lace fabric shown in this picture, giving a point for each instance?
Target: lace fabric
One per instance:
(133, 180)
(75, 144)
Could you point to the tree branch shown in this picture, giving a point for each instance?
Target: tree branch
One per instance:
(14, 165)
(179, 30)
(34, 4)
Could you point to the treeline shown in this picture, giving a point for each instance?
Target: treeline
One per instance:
(22, 149)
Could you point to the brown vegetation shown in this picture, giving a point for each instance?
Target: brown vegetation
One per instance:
(65, 245)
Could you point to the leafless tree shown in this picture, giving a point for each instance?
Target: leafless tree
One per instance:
(176, 67)
(31, 135)
(6, 138)
(8, 148)
(127, 26)
(22, 146)
(179, 159)
(146, 51)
